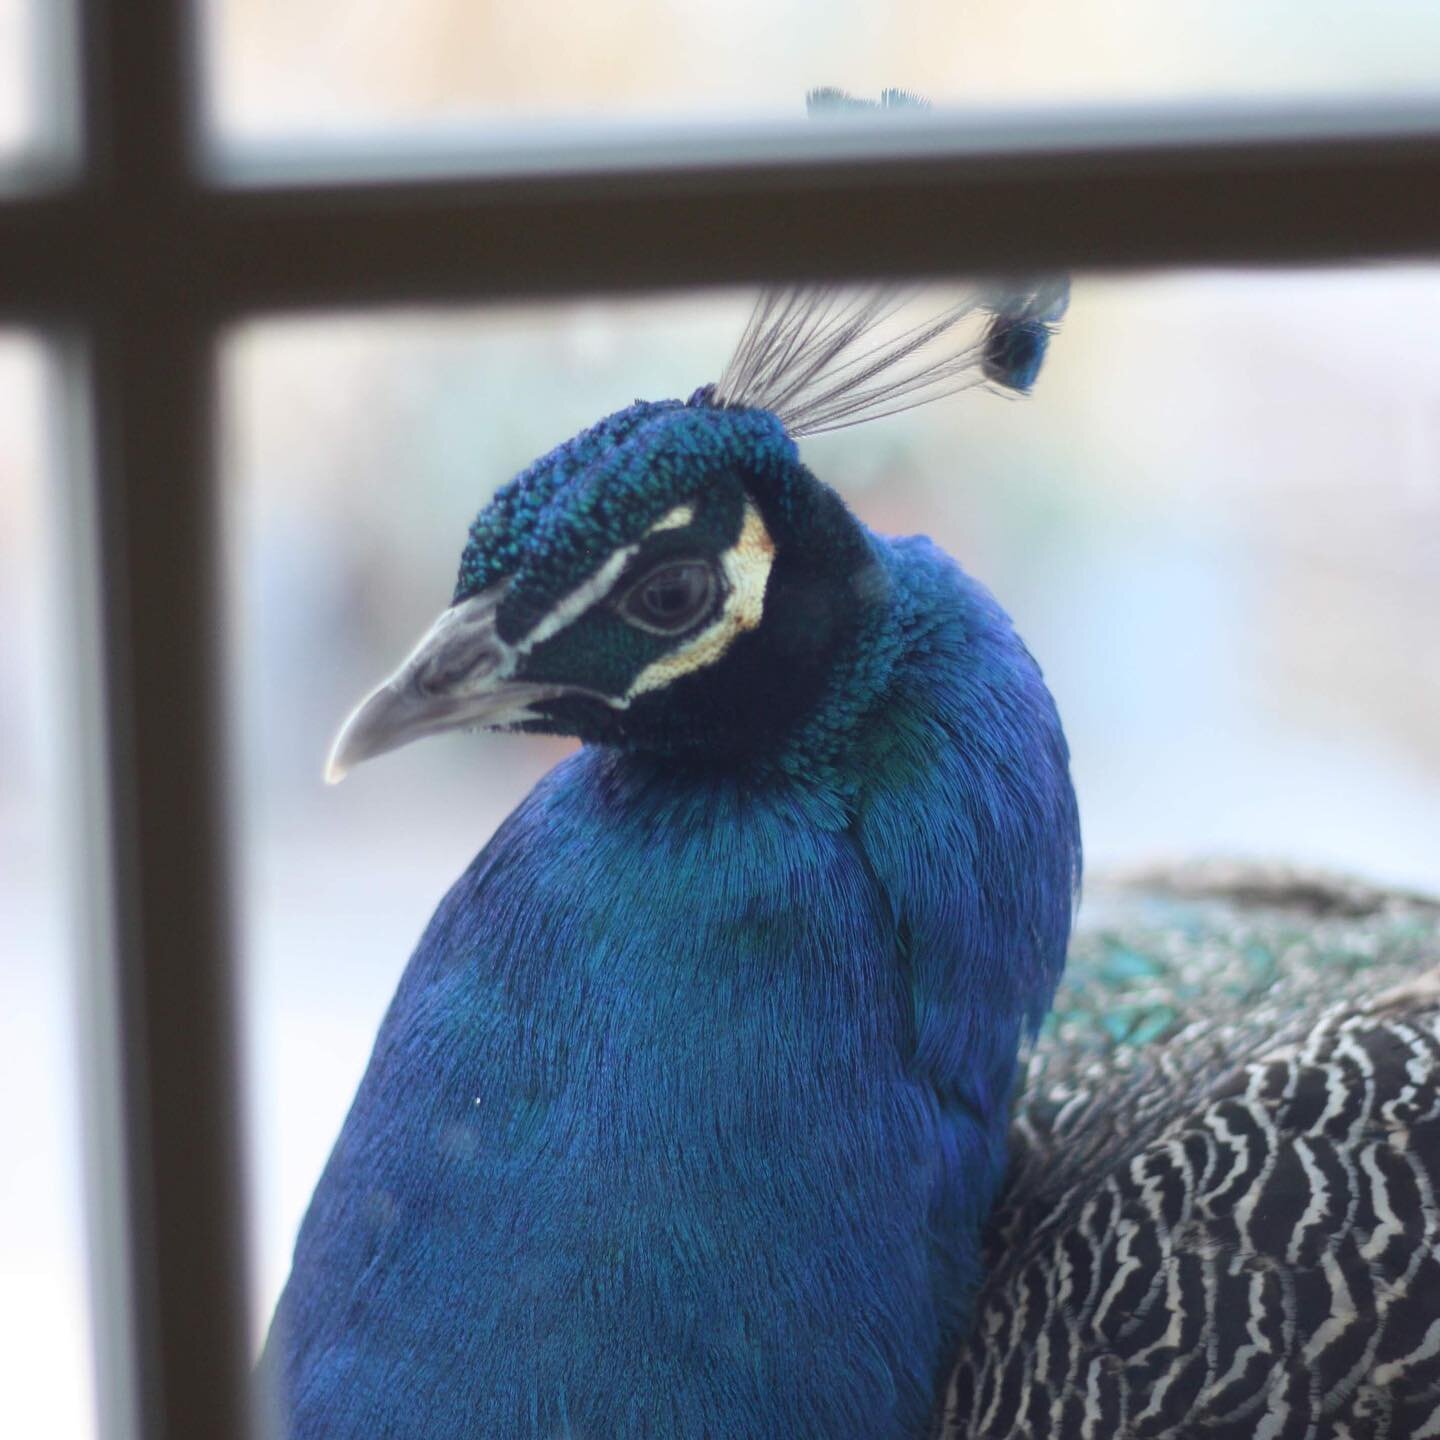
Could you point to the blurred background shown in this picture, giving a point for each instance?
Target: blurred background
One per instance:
(1217, 523)
(18, 121)
(286, 68)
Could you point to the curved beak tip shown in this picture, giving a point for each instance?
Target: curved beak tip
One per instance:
(401, 709)
(369, 729)
(349, 747)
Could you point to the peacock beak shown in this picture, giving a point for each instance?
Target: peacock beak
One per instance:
(460, 676)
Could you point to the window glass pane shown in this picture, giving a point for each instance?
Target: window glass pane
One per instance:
(17, 78)
(1216, 523)
(321, 66)
(45, 1365)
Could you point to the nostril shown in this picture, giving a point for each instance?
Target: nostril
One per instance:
(444, 672)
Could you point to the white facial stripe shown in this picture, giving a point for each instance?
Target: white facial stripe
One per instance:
(676, 519)
(747, 571)
(580, 599)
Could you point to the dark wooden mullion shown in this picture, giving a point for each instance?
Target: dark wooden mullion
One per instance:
(1282, 203)
(167, 760)
(150, 359)
(1176, 188)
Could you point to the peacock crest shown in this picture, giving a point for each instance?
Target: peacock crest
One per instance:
(821, 357)
(824, 357)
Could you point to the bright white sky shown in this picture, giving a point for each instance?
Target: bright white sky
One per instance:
(282, 66)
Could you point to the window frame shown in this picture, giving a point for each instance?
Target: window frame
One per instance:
(137, 248)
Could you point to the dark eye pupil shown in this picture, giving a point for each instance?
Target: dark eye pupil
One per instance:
(673, 596)
(670, 597)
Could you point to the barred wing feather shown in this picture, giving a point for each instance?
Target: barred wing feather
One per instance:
(1222, 1215)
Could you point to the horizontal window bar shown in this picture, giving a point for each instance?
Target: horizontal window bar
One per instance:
(1161, 188)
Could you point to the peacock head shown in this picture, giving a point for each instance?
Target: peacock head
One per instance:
(674, 579)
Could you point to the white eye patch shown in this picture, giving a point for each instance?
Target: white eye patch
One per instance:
(676, 519)
(746, 566)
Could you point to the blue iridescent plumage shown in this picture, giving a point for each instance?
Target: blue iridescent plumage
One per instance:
(691, 1105)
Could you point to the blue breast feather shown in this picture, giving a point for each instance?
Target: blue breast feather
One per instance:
(693, 1098)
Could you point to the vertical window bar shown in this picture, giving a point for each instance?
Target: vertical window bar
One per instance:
(156, 576)
(138, 105)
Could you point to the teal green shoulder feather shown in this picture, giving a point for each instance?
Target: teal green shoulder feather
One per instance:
(1158, 951)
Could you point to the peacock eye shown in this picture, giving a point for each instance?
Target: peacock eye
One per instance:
(672, 597)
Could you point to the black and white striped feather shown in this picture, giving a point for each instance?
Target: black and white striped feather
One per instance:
(1221, 1219)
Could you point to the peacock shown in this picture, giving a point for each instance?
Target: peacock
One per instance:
(719, 1096)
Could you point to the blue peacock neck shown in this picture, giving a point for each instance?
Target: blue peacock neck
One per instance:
(694, 1095)
(935, 763)
(935, 749)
